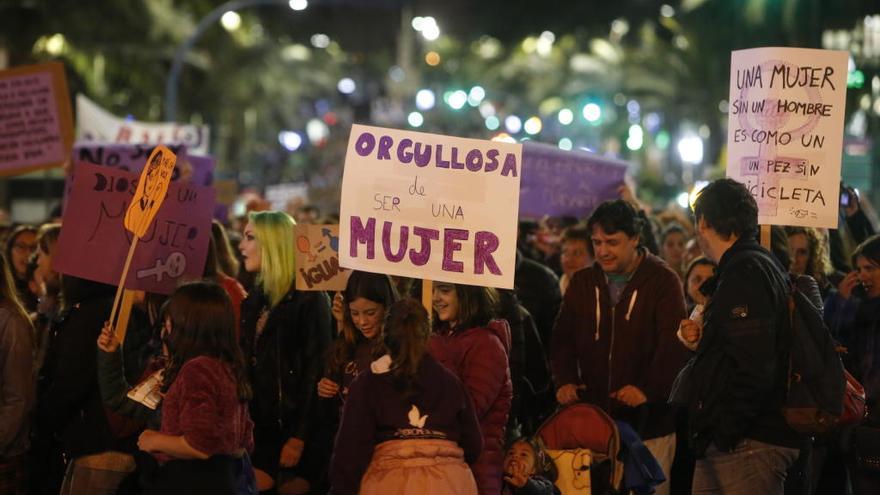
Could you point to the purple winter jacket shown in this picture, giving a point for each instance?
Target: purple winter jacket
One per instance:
(479, 357)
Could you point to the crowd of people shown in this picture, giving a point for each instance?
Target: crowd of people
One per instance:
(238, 383)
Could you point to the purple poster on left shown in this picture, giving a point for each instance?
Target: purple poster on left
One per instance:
(94, 243)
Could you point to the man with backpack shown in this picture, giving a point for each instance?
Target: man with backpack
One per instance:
(735, 386)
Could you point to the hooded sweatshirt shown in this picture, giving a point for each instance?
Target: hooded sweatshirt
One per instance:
(607, 346)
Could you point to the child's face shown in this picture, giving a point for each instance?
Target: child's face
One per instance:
(520, 456)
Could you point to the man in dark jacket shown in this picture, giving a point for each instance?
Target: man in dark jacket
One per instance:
(614, 341)
(736, 387)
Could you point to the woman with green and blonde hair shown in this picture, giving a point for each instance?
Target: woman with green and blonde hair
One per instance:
(284, 334)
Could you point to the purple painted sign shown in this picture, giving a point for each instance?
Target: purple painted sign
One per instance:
(198, 170)
(558, 182)
(94, 243)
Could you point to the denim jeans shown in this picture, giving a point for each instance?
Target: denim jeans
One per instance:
(753, 468)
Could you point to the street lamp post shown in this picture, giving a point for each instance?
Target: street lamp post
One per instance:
(206, 22)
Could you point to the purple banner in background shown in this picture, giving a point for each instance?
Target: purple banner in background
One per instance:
(557, 182)
(198, 170)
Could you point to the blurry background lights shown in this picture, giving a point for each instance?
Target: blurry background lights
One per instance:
(565, 144)
(290, 140)
(636, 137)
(683, 199)
(55, 44)
(415, 119)
(492, 123)
(427, 26)
(503, 137)
(566, 116)
(317, 131)
(533, 125)
(667, 10)
(592, 112)
(231, 21)
(457, 99)
(513, 124)
(320, 40)
(690, 149)
(346, 86)
(487, 109)
(432, 58)
(425, 99)
(476, 95)
(544, 45)
(298, 4)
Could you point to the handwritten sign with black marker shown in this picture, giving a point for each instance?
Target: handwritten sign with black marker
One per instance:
(785, 132)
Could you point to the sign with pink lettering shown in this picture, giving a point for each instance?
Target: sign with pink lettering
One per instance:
(785, 132)
(317, 258)
(94, 242)
(429, 206)
(36, 126)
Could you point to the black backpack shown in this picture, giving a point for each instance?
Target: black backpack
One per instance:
(816, 382)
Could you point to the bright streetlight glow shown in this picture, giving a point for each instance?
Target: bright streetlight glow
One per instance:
(513, 124)
(690, 148)
(290, 140)
(492, 123)
(346, 86)
(457, 99)
(592, 112)
(415, 119)
(298, 4)
(565, 144)
(231, 21)
(425, 99)
(533, 125)
(566, 116)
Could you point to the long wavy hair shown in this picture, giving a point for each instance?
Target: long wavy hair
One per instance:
(374, 287)
(274, 231)
(8, 293)
(819, 263)
(203, 324)
(406, 339)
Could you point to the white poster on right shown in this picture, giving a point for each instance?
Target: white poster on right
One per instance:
(785, 133)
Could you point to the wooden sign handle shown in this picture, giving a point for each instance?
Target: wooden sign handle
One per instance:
(428, 296)
(765, 236)
(121, 288)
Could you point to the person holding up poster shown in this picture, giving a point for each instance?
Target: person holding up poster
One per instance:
(284, 335)
(475, 346)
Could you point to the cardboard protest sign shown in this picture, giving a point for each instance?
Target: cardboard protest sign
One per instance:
(429, 206)
(198, 170)
(94, 242)
(98, 125)
(150, 192)
(317, 258)
(785, 132)
(36, 126)
(558, 182)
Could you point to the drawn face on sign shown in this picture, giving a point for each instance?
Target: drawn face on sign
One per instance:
(250, 249)
(152, 177)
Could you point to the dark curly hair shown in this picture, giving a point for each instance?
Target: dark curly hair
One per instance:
(617, 216)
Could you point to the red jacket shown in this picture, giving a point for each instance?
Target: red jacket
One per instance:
(478, 356)
(606, 347)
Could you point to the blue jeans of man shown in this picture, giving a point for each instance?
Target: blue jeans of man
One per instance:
(752, 468)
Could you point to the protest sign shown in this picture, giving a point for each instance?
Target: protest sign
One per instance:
(198, 170)
(430, 207)
(150, 191)
(98, 125)
(36, 127)
(279, 195)
(785, 132)
(558, 183)
(317, 258)
(94, 242)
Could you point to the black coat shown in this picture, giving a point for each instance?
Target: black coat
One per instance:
(286, 361)
(737, 385)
